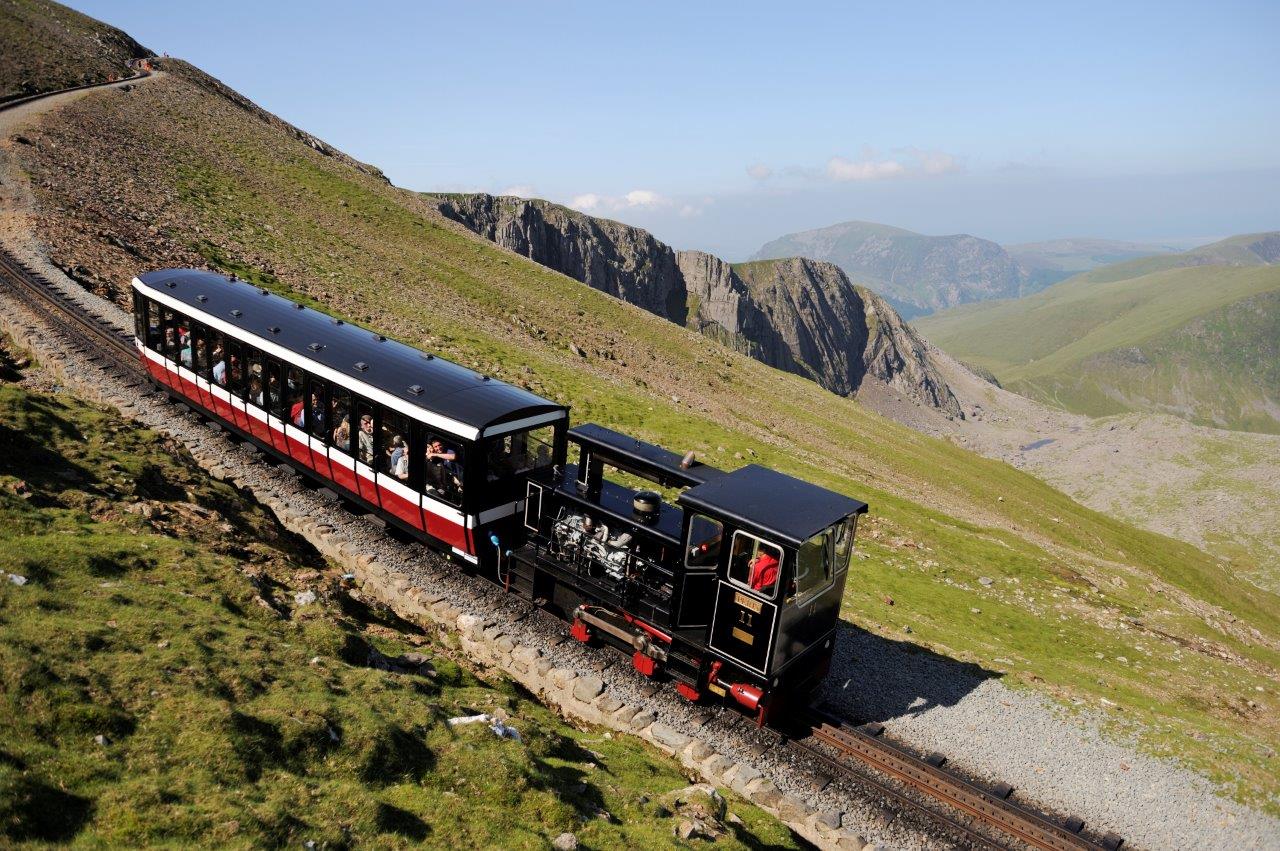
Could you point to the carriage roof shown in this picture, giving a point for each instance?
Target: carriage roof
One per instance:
(360, 356)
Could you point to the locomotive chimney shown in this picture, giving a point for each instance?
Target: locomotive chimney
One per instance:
(687, 461)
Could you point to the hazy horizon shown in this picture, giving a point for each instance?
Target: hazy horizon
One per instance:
(724, 126)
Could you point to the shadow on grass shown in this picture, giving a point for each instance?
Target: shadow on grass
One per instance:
(32, 810)
(874, 678)
(391, 819)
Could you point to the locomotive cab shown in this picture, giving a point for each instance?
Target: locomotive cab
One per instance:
(779, 550)
(731, 587)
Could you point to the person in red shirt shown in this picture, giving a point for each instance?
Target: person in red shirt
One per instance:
(764, 572)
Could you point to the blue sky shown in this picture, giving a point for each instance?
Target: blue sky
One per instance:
(723, 125)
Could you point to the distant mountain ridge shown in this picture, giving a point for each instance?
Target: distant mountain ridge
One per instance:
(915, 273)
(1048, 262)
(799, 315)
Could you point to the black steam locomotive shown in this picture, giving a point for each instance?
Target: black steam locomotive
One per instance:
(729, 587)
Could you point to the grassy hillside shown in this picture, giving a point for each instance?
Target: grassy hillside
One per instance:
(1048, 262)
(1250, 249)
(212, 184)
(1200, 341)
(45, 46)
(159, 613)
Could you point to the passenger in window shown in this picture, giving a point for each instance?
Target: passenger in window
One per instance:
(219, 365)
(400, 463)
(764, 571)
(185, 354)
(317, 415)
(443, 474)
(395, 451)
(342, 435)
(273, 391)
(255, 391)
(366, 439)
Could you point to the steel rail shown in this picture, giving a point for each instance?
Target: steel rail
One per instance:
(1023, 825)
(79, 323)
(943, 821)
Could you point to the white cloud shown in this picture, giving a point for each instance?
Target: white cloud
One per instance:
(689, 210)
(521, 190)
(636, 199)
(759, 171)
(644, 198)
(934, 162)
(839, 168)
(902, 162)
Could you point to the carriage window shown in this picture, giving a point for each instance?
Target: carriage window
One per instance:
(340, 416)
(256, 389)
(704, 541)
(813, 567)
(316, 419)
(273, 392)
(218, 357)
(182, 339)
(155, 327)
(844, 533)
(393, 431)
(364, 432)
(139, 316)
(442, 470)
(755, 563)
(512, 454)
(199, 362)
(294, 404)
(235, 368)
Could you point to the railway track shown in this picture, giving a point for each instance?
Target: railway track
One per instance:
(841, 749)
(844, 749)
(91, 334)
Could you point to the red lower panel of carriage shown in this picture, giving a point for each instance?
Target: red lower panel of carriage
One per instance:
(441, 528)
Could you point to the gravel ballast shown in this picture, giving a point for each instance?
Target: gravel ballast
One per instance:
(1059, 759)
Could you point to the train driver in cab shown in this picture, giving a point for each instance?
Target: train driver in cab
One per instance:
(764, 572)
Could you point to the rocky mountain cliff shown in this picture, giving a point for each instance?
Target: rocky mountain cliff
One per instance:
(915, 273)
(609, 256)
(843, 332)
(802, 316)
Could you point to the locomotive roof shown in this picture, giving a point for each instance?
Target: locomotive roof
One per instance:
(645, 459)
(443, 387)
(779, 505)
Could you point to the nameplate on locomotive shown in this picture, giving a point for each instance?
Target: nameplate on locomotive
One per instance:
(743, 636)
(747, 602)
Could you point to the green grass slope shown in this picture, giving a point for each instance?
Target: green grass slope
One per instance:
(1199, 341)
(159, 613)
(46, 46)
(213, 184)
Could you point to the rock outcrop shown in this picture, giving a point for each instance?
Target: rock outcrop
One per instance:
(617, 259)
(799, 315)
(842, 333)
(721, 306)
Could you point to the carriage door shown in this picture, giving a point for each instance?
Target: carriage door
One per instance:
(746, 612)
